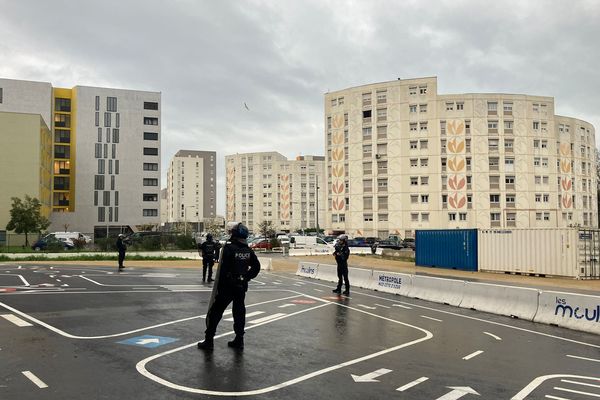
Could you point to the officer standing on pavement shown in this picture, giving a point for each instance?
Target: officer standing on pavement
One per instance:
(341, 254)
(238, 265)
(209, 250)
(121, 248)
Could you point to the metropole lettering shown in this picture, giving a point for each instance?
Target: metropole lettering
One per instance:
(590, 314)
(390, 281)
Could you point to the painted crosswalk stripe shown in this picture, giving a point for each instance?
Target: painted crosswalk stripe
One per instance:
(267, 318)
(15, 320)
(37, 381)
(413, 383)
(576, 391)
(474, 354)
(579, 383)
(252, 314)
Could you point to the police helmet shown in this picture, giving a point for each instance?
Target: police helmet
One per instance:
(209, 237)
(238, 230)
(121, 235)
(343, 237)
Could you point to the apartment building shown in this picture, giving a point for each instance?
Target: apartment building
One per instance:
(269, 187)
(105, 153)
(191, 187)
(402, 157)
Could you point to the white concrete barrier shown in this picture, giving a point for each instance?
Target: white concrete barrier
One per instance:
(266, 263)
(511, 301)
(300, 252)
(307, 270)
(569, 310)
(360, 277)
(327, 272)
(439, 290)
(391, 282)
(379, 251)
(360, 250)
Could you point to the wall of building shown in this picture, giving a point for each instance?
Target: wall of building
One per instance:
(423, 160)
(27, 97)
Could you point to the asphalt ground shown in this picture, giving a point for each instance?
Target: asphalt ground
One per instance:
(88, 332)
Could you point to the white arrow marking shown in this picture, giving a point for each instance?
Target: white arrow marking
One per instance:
(146, 341)
(492, 335)
(401, 306)
(370, 377)
(457, 392)
(475, 354)
(367, 307)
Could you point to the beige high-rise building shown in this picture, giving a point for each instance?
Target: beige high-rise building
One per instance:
(402, 157)
(191, 187)
(269, 187)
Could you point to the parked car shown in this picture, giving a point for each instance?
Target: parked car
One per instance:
(387, 244)
(409, 243)
(329, 238)
(283, 239)
(261, 243)
(49, 240)
(358, 242)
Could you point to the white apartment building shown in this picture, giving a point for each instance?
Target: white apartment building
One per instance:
(269, 187)
(402, 157)
(106, 153)
(191, 186)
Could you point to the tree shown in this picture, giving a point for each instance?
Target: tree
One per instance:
(25, 217)
(266, 229)
(213, 228)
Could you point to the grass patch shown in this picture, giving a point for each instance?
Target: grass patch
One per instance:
(87, 257)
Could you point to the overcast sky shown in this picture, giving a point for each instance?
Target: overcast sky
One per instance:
(280, 57)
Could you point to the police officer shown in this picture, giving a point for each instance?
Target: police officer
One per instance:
(121, 248)
(341, 254)
(239, 265)
(209, 251)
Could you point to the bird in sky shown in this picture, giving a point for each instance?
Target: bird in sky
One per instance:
(245, 105)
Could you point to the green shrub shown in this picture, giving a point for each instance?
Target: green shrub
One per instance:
(185, 242)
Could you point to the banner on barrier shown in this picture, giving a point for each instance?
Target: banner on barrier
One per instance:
(308, 270)
(391, 282)
(570, 310)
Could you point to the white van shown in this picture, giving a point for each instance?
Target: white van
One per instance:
(73, 236)
(310, 242)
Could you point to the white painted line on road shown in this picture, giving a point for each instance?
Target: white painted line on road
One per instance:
(19, 267)
(296, 284)
(267, 318)
(15, 320)
(583, 358)
(474, 354)
(413, 383)
(431, 318)
(580, 383)
(401, 306)
(58, 280)
(252, 314)
(25, 283)
(370, 377)
(287, 305)
(367, 307)
(576, 391)
(534, 384)
(37, 381)
(277, 283)
(101, 284)
(555, 397)
(381, 305)
(492, 335)
(318, 290)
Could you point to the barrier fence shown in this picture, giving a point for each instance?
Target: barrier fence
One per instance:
(569, 310)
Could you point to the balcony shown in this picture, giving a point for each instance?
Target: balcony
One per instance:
(495, 205)
(495, 224)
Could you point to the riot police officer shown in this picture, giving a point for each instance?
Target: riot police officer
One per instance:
(238, 266)
(209, 250)
(341, 254)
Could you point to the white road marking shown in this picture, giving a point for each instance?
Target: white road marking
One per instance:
(277, 283)
(370, 377)
(15, 320)
(458, 392)
(141, 366)
(296, 284)
(101, 284)
(580, 383)
(576, 391)
(267, 318)
(65, 334)
(474, 354)
(413, 383)
(431, 318)
(19, 267)
(58, 280)
(252, 314)
(583, 358)
(492, 335)
(287, 305)
(37, 381)
(555, 397)
(25, 283)
(367, 307)
(380, 305)
(146, 341)
(401, 306)
(318, 290)
(541, 379)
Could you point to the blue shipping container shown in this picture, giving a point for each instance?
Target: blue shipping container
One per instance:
(447, 248)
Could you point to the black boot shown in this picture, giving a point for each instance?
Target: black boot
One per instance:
(208, 344)
(237, 343)
(337, 290)
(346, 292)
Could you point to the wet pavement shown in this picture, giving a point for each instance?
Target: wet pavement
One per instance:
(74, 332)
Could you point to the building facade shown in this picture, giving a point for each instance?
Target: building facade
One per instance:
(402, 157)
(269, 187)
(191, 187)
(106, 153)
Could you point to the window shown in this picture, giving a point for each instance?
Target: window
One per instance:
(150, 212)
(367, 133)
(425, 217)
(413, 144)
(422, 108)
(382, 217)
(381, 149)
(493, 144)
(414, 180)
(412, 90)
(536, 161)
(366, 99)
(412, 108)
(494, 199)
(107, 119)
(367, 168)
(449, 106)
(381, 96)
(366, 115)
(111, 104)
(424, 162)
(424, 198)
(101, 214)
(413, 126)
(382, 132)
(367, 150)
(423, 126)
(382, 202)
(414, 198)
(536, 125)
(414, 217)
(368, 217)
(150, 166)
(423, 89)
(382, 184)
(462, 216)
(98, 182)
(150, 151)
(367, 185)
(115, 135)
(492, 108)
(492, 126)
(62, 151)
(101, 166)
(150, 105)
(367, 203)
(508, 126)
(495, 216)
(0, 95)
(150, 182)
(62, 121)
(451, 216)
(382, 167)
(508, 106)
(424, 180)
(423, 144)
(61, 105)
(150, 121)
(382, 114)
(460, 105)
(150, 136)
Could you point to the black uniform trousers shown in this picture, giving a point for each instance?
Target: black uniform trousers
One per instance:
(121, 257)
(225, 295)
(207, 264)
(342, 273)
